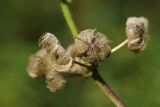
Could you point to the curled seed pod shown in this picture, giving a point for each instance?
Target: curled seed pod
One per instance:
(50, 63)
(48, 41)
(62, 57)
(137, 33)
(57, 56)
(62, 68)
(55, 81)
(61, 61)
(35, 68)
(92, 46)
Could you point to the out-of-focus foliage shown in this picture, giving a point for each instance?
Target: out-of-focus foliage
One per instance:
(136, 77)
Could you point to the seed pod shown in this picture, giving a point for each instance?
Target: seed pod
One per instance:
(137, 33)
(35, 68)
(92, 46)
(49, 42)
(62, 68)
(61, 61)
(57, 56)
(62, 57)
(55, 81)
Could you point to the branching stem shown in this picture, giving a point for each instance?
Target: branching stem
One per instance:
(103, 85)
(95, 75)
(107, 89)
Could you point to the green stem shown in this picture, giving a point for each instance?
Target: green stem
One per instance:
(119, 46)
(68, 18)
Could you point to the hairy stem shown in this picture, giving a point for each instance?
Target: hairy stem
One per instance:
(119, 46)
(107, 89)
(69, 19)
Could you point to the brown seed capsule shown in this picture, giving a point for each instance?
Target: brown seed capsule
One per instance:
(92, 46)
(35, 68)
(55, 81)
(137, 33)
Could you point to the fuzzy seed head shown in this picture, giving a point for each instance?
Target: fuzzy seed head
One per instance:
(137, 33)
(92, 46)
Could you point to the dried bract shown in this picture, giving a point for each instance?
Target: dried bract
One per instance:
(92, 46)
(137, 33)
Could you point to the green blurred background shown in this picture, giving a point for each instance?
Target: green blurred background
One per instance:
(135, 77)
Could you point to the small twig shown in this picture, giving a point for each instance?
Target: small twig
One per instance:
(107, 89)
(68, 18)
(119, 46)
